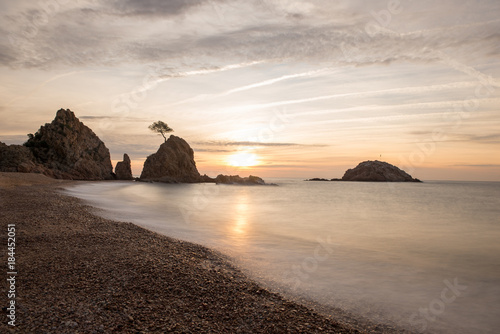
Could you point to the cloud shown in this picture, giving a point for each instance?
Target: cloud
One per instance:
(483, 139)
(275, 80)
(155, 8)
(403, 90)
(282, 166)
(465, 138)
(209, 70)
(96, 117)
(255, 85)
(126, 119)
(210, 150)
(251, 143)
(480, 166)
(93, 33)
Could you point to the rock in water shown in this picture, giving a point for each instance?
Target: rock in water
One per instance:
(318, 179)
(377, 171)
(173, 163)
(70, 150)
(236, 179)
(123, 169)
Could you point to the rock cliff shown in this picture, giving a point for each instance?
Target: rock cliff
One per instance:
(70, 150)
(377, 171)
(173, 163)
(123, 169)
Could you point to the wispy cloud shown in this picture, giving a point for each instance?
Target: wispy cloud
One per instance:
(260, 33)
(213, 69)
(275, 80)
(474, 138)
(154, 8)
(210, 150)
(127, 119)
(38, 87)
(480, 166)
(252, 144)
(255, 85)
(405, 90)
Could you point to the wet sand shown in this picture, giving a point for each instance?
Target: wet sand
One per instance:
(79, 273)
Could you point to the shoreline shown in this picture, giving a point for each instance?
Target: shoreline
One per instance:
(78, 272)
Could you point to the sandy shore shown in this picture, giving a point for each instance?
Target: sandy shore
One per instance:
(79, 273)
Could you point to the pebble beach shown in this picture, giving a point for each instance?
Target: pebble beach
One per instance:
(79, 273)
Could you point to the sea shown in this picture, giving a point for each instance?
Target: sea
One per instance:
(422, 257)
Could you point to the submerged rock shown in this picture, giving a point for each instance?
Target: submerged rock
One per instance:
(377, 171)
(70, 150)
(123, 169)
(236, 179)
(173, 163)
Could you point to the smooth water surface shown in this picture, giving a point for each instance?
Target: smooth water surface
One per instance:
(423, 256)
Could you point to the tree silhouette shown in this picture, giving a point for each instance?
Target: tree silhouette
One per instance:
(161, 128)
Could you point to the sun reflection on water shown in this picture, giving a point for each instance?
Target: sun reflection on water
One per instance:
(241, 212)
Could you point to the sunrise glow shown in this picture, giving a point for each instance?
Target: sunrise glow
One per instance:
(243, 159)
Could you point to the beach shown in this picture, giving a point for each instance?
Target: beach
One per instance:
(79, 273)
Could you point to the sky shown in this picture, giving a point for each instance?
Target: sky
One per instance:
(274, 88)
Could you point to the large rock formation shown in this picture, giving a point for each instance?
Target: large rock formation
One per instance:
(377, 171)
(70, 150)
(173, 163)
(123, 169)
(17, 158)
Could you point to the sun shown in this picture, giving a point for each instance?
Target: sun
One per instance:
(243, 159)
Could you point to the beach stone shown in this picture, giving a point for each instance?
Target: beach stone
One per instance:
(71, 324)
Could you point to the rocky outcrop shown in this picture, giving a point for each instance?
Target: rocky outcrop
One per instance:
(123, 169)
(378, 171)
(17, 158)
(236, 179)
(70, 150)
(173, 163)
(206, 179)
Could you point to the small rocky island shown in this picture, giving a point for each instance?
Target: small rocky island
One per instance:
(374, 171)
(68, 149)
(172, 163)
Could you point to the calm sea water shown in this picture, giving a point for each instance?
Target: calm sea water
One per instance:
(425, 257)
